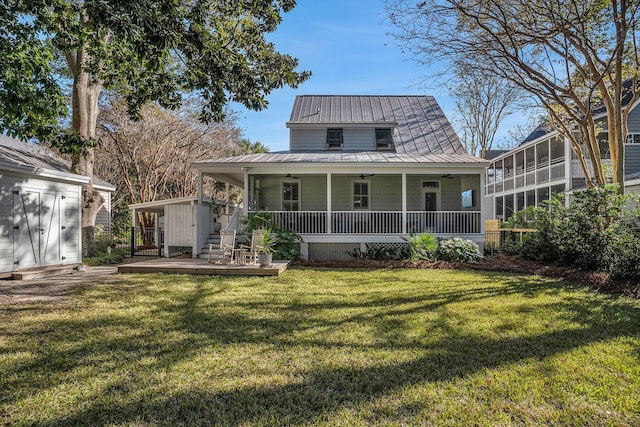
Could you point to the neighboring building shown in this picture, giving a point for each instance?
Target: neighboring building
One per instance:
(545, 164)
(40, 207)
(360, 169)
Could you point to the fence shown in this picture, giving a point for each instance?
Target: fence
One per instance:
(136, 241)
(502, 239)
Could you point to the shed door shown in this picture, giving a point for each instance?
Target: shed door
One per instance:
(37, 228)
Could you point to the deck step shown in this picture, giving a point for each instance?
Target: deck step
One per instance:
(43, 272)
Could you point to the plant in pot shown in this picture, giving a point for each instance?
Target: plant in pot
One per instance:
(265, 245)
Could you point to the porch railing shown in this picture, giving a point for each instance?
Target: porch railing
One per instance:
(444, 222)
(378, 222)
(366, 222)
(303, 222)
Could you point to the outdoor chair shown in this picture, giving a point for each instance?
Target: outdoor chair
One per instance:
(249, 254)
(224, 253)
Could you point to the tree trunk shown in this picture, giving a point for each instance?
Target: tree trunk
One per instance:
(86, 90)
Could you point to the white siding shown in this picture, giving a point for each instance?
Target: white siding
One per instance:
(71, 251)
(178, 221)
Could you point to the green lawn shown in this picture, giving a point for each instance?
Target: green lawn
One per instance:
(323, 347)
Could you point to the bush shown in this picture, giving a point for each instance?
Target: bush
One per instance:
(458, 250)
(287, 245)
(622, 257)
(381, 252)
(422, 247)
(114, 257)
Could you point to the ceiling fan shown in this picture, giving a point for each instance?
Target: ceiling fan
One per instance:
(290, 176)
(363, 176)
(447, 176)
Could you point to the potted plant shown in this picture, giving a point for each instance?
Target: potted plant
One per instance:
(265, 245)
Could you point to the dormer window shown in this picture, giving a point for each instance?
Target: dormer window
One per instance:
(383, 139)
(334, 139)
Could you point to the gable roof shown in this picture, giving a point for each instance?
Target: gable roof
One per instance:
(39, 160)
(421, 126)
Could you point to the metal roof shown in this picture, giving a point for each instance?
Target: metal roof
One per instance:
(381, 157)
(422, 127)
(36, 158)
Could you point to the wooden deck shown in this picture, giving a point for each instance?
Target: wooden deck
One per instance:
(201, 266)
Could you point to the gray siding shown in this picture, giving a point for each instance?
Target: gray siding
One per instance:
(313, 192)
(633, 121)
(359, 139)
(354, 139)
(631, 158)
(104, 214)
(385, 192)
(450, 192)
(331, 251)
(307, 139)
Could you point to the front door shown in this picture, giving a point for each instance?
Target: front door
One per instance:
(37, 229)
(430, 201)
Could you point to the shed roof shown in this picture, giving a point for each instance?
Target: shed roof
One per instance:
(36, 158)
(422, 127)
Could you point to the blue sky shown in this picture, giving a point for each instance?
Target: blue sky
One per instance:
(344, 43)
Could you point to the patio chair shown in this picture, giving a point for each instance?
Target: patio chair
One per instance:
(224, 253)
(249, 254)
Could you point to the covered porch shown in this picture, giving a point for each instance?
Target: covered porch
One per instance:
(363, 202)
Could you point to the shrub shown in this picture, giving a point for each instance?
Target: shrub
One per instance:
(458, 250)
(422, 246)
(380, 252)
(622, 257)
(287, 245)
(115, 257)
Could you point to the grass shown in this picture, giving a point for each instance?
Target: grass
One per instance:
(323, 347)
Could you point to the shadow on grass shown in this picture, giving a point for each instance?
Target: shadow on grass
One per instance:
(192, 321)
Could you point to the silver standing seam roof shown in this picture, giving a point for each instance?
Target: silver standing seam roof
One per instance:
(422, 127)
(34, 157)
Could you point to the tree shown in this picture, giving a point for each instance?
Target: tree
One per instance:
(146, 50)
(151, 158)
(571, 56)
(483, 101)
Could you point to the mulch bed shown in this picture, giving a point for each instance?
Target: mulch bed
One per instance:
(503, 263)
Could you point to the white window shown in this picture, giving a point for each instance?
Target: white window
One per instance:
(633, 138)
(383, 139)
(290, 196)
(334, 139)
(361, 195)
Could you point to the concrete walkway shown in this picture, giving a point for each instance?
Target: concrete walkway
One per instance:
(52, 288)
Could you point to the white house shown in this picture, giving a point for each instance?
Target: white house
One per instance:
(40, 207)
(359, 169)
(544, 164)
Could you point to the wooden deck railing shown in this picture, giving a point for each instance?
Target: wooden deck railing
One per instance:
(378, 222)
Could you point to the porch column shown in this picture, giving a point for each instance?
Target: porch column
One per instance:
(568, 167)
(245, 193)
(328, 202)
(226, 198)
(199, 188)
(404, 203)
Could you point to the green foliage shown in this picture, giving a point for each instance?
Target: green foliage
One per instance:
(458, 250)
(579, 234)
(287, 245)
(422, 246)
(381, 252)
(258, 220)
(266, 241)
(115, 257)
(147, 50)
(622, 258)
